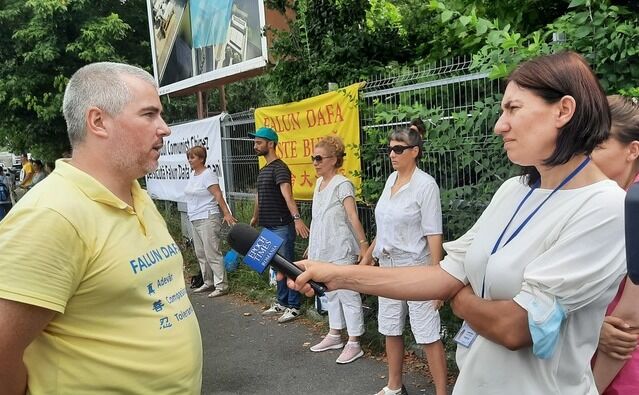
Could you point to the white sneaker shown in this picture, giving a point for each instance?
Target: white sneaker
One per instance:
(388, 391)
(290, 314)
(203, 288)
(218, 292)
(351, 352)
(330, 342)
(275, 309)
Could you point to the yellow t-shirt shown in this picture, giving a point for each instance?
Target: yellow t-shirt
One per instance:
(114, 275)
(27, 170)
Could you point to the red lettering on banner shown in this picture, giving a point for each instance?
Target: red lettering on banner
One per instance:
(309, 145)
(326, 115)
(283, 123)
(310, 118)
(295, 119)
(320, 117)
(338, 113)
(287, 149)
(329, 113)
(306, 179)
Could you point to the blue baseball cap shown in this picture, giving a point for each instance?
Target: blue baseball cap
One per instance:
(265, 133)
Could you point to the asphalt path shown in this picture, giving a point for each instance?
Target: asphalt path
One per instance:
(245, 353)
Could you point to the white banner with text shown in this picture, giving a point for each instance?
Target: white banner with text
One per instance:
(169, 180)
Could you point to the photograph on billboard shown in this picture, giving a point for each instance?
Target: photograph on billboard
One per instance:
(197, 41)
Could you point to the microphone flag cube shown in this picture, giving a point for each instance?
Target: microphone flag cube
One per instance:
(263, 250)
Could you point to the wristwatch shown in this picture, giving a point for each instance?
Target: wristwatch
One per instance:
(296, 216)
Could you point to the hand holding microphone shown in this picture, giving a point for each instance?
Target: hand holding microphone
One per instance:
(260, 250)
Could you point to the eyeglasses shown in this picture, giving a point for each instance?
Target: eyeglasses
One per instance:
(319, 158)
(399, 149)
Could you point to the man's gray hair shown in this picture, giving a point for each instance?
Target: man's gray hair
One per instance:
(97, 85)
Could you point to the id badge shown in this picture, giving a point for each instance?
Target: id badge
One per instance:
(466, 335)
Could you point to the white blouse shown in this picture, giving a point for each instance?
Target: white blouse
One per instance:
(571, 253)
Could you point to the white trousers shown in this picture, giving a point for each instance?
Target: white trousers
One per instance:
(206, 241)
(345, 310)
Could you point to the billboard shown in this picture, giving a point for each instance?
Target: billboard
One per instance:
(195, 42)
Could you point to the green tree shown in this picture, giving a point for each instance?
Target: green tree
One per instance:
(333, 41)
(42, 42)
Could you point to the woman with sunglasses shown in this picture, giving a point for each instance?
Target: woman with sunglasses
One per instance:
(533, 276)
(409, 233)
(616, 367)
(337, 236)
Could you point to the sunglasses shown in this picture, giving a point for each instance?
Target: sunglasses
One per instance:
(399, 149)
(319, 158)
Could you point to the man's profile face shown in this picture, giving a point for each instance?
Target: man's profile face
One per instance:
(261, 146)
(137, 132)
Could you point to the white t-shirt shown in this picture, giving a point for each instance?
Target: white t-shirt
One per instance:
(200, 202)
(405, 218)
(331, 237)
(572, 252)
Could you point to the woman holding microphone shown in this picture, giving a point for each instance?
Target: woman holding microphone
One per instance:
(408, 217)
(533, 276)
(337, 236)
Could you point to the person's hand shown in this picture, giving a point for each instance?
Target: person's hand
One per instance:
(229, 219)
(615, 340)
(301, 229)
(363, 248)
(366, 260)
(458, 300)
(253, 221)
(313, 270)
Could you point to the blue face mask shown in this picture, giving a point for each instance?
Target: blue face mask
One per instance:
(545, 325)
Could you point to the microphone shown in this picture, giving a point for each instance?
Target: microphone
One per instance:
(260, 250)
(632, 232)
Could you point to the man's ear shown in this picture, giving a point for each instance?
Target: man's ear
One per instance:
(566, 109)
(96, 122)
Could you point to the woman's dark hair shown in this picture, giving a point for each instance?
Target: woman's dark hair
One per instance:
(419, 125)
(410, 137)
(562, 74)
(199, 151)
(625, 119)
(38, 163)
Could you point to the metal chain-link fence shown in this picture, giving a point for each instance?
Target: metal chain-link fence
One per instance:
(449, 86)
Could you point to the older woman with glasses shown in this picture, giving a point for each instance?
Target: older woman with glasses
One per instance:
(409, 233)
(337, 236)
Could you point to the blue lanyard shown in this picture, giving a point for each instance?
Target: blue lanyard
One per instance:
(532, 214)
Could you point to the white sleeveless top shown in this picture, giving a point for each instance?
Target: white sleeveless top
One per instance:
(331, 238)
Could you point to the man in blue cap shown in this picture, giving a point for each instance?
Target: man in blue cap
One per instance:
(276, 210)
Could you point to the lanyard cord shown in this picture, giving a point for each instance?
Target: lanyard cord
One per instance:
(525, 222)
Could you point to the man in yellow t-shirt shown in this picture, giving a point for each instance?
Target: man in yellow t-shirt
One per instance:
(26, 174)
(94, 302)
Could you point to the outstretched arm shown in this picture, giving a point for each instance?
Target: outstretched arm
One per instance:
(407, 283)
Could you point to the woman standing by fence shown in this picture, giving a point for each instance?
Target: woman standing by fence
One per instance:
(409, 233)
(337, 236)
(204, 200)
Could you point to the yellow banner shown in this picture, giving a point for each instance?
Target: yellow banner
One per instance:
(300, 125)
